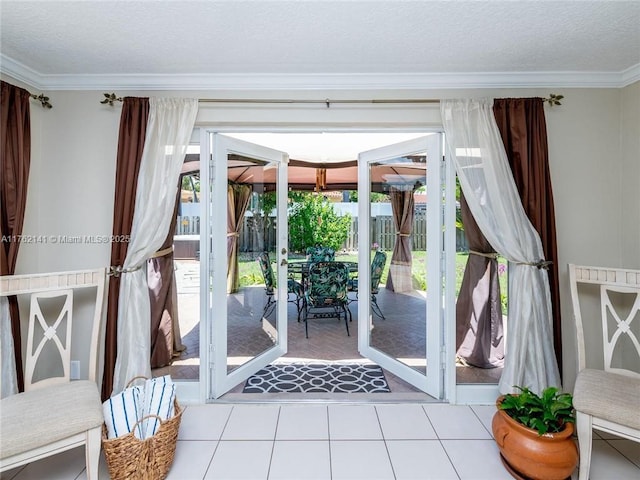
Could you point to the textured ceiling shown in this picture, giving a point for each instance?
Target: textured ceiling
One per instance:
(186, 38)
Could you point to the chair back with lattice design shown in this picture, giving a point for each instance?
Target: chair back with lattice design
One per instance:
(49, 331)
(51, 322)
(619, 297)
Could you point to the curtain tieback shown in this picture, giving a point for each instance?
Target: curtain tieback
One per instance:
(400, 234)
(162, 253)
(116, 271)
(233, 234)
(543, 264)
(492, 255)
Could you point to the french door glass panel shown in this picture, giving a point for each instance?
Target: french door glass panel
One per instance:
(400, 318)
(248, 207)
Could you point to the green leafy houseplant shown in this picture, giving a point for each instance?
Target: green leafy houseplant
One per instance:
(544, 413)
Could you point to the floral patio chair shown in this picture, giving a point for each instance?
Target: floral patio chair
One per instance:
(377, 266)
(326, 290)
(320, 254)
(293, 287)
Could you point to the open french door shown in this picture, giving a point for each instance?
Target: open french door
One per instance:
(242, 179)
(409, 341)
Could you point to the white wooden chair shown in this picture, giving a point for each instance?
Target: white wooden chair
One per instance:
(607, 399)
(53, 414)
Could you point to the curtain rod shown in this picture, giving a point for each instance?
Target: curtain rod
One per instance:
(110, 98)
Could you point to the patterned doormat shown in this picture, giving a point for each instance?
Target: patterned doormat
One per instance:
(318, 377)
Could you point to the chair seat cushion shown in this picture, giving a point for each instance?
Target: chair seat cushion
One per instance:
(609, 396)
(38, 417)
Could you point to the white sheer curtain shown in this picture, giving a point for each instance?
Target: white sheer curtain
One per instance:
(169, 130)
(486, 180)
(9, 383)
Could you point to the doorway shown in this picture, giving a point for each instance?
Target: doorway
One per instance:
(397, 171)
(401, 358)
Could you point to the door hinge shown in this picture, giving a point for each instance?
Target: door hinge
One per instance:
(443, 359)
(212, 362)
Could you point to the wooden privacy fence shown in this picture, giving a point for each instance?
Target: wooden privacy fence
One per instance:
(259, 236)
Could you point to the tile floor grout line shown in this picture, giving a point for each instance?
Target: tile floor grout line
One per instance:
(211, 460)
(453, 465)
(386, 447)
(446, 452)
(329, 442)
(619, 451)
(273, 444)
(218, 442)
(226, 422)
(481, 422)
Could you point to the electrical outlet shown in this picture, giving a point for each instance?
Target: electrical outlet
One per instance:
(75, 370)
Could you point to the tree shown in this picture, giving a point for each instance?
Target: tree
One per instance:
(313, 221)
(191, 183)
(261, 206)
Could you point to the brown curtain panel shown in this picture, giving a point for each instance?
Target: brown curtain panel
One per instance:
(523, 127)
(402, 206)
(133, 127)
(238, 197)
(479, 329)
(165, 330)
(15, 157)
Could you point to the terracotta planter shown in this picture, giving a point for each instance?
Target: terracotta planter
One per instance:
(552, 456)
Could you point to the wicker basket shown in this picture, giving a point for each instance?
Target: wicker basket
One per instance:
(128, 457)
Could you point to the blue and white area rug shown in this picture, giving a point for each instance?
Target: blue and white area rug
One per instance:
(318, 377)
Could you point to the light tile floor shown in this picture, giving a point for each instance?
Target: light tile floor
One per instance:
(339, 442)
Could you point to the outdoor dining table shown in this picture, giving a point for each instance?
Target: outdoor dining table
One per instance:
(300, 268)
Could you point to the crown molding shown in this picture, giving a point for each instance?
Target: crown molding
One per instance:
(322, 81)
(631, 75)
(20, 72)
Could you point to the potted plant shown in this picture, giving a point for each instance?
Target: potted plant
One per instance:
(534, 434)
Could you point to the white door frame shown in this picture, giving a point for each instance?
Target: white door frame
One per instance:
(433, 382)
(201, 391)
(213, 247)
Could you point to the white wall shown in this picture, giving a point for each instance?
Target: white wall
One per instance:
(630, 177)
(71, 186)
(593, 144)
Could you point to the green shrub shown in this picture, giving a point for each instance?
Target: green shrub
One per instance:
(313, 221)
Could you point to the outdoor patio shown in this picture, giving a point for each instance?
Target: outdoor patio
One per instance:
(401, 335)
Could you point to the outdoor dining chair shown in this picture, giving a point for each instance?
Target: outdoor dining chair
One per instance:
(293, 287)
(320, 254)
(326, 293)
(377, 266)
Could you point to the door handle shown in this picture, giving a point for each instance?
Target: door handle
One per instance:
(283, 262)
